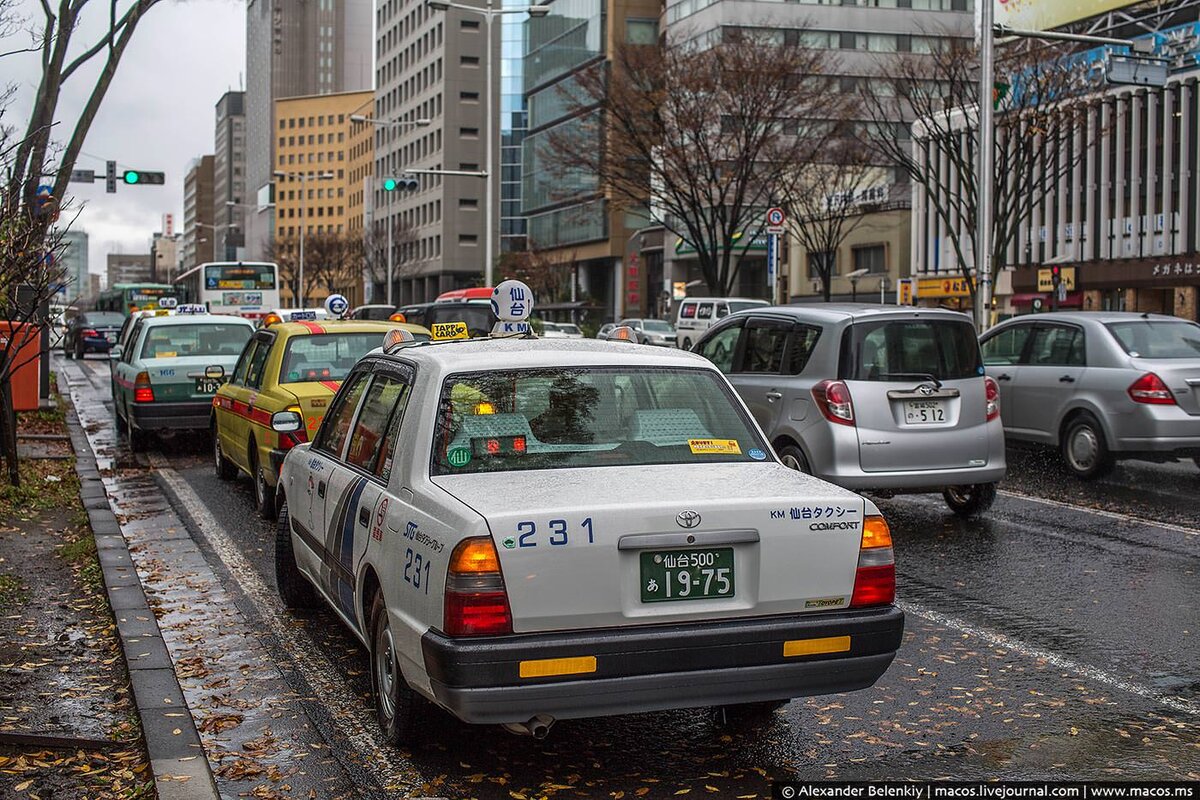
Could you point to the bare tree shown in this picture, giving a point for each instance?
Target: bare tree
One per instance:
(712, 133)
(550, 278)
(1039, 109)
(825, 204)
(374, 243)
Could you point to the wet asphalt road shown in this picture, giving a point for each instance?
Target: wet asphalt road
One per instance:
(1058, 637)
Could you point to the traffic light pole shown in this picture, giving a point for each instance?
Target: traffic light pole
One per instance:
(983, 180)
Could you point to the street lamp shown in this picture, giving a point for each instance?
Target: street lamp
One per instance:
(304, 178)
(489, 12)
(387, 209)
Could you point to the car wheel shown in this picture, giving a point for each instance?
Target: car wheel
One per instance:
(1084, 449)
(749, 713)
(397, 707)
(226, 471)
(687, 344)
(968, 501)
(121, 424)
(793, 458)
(294, 588)
(135, 438)
(264, 495)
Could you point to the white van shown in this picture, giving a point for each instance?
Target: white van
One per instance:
(697, 314)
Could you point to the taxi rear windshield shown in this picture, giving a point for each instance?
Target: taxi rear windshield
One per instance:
(325, 356)
(565, 418)
(910, 349)
(176, 341)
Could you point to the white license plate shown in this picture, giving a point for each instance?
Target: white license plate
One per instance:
(924, 412)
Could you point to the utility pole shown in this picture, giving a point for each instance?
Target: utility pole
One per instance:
(986, 165)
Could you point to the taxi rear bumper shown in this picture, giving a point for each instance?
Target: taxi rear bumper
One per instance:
(653, 668)
(172, 416)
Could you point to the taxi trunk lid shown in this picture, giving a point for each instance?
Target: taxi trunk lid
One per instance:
(181, 379)
(590, 548)
(313, 397)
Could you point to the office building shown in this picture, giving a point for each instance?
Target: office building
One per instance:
(128, 268)
(229, 178)
(198, 212)
(74, 264)
(294, 48)
(165, 256)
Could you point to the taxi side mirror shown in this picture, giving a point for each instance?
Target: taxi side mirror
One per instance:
(214, 371)
(286, 422)
(116, 352)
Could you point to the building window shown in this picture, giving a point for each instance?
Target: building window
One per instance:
(468, 239)
(469, 133)
(872, 258)
(818, 259)
(469, 61)
(468, 202)
(641, 31)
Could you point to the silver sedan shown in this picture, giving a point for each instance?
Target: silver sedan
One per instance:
(1100, 386)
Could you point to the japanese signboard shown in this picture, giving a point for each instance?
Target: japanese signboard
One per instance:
(928, 288)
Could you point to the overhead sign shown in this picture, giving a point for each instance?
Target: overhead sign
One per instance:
(1046, 279)
(943, 287)
(1043, 15)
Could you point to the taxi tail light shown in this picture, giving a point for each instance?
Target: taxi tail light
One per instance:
(476, 602)
(1151, 390)
(875, 578)
(992, 394)
(142, 391)
(833, 398)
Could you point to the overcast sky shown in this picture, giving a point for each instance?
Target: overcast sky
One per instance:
(159, 113)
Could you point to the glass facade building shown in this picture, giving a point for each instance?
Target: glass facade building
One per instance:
(513, 124)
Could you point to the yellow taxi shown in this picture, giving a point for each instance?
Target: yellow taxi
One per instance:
(278, 393)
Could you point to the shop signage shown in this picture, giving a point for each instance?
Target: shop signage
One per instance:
(928, 288)
(1172, 269)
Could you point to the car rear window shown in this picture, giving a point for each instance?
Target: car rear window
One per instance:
(325, 356)
(505, 421)
(1157, 338)
(104, 318)
(910, 349)
(176, 341)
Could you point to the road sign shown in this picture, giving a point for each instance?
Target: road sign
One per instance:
(110, 177)
(83, 176)
(775, 217)
(772, 263)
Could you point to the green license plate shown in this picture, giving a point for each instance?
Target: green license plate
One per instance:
(687, 574)
(207, 385)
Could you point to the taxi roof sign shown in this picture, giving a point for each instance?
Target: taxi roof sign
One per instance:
(512, 301)
(445, 331)
(191, 308)
(336, 305)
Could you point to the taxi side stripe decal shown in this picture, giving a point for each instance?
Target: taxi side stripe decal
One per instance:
(332, 386)
(312, 326)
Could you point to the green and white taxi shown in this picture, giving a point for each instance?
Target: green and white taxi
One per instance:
(523, 530)
(159, 377)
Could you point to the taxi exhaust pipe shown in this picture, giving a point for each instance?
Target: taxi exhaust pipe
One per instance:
(537, 726)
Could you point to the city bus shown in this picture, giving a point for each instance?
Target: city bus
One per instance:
(247, 289)
(128, 297)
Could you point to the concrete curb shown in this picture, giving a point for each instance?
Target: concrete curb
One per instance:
(177, 758)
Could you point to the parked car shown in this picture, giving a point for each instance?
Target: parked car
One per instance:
(651, 331)
(605, 329)
(416, 313)
(551, 330)
(698, 314)
(92, 332)
(874, 398)
(568, 330)
(1099, 386)
(376, 311)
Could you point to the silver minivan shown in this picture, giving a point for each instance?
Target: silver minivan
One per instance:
(1099, 385)
(873, 398)
(698, 314)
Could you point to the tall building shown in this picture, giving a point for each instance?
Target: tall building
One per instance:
(575, 221)
(431, 65)
(316, 138)
(198, 208)
(229, 177)
(164, 254)
(514, 120)
(128, 268)
(74, 262)
(294, 48)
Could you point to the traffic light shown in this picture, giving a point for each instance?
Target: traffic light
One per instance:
(1055, 275)
(133, 177)
(405, 183)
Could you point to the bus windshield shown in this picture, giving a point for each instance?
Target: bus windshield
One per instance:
(239, 276)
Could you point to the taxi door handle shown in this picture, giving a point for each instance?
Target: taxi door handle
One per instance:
(320, 488)
(772, 396)
(1066, 379)
(1004, 376)
(364, 516)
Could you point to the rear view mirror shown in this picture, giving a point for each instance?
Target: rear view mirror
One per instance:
(286, 422)
(214, 371)
(116, 352)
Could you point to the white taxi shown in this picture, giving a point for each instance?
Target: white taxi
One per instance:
(522, 531)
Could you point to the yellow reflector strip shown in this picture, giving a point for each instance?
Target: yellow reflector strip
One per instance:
(548, 667)
(813, 647)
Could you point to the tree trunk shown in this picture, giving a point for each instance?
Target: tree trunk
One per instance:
(8, 433)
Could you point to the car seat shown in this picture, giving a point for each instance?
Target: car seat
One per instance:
(668, 426)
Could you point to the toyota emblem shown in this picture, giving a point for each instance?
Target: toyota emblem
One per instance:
(687, 519)
(926, 389)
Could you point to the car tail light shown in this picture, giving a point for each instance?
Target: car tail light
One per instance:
(89, 333)
(833, 398)
(142, 391)
(992, 391)
(476, 601)
(875, 579)
(1150, 389)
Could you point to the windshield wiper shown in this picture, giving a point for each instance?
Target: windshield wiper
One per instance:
(925, 376)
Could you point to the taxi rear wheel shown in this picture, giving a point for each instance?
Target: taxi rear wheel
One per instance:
(294, 588)
(793, 458)
(397, 707)
(135, 438)
(968, 501)
(226, 471)
(121, 424)
(264, 495)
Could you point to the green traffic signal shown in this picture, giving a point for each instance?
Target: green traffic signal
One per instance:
(389, 184)
(131, 176)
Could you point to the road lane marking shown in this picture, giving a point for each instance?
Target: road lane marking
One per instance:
(346, 711)
(1011, 644)
(1101, 512)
